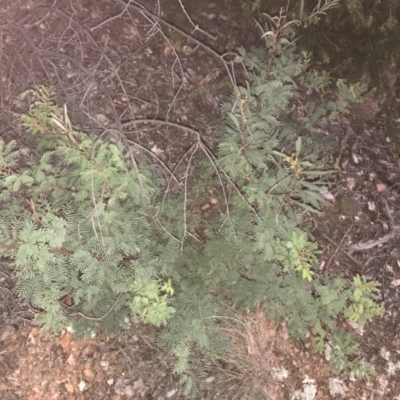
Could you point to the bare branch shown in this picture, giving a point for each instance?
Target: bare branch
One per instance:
(195, 26)
(112, 18)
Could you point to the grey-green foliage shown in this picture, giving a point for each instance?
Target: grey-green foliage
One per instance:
(193, 327)
(256, 250)
(78, 223)
(87, 221)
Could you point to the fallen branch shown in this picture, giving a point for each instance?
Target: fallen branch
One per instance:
(372, 243)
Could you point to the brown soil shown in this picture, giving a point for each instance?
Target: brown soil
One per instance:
(115, 65)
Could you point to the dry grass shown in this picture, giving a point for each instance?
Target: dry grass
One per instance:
(255, 355)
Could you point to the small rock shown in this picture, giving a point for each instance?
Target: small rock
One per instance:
(336, 387)
(129, 391)
(171, 393)
(104, 364)
(280, 374)
(82, 386)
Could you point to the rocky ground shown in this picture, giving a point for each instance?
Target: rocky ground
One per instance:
(114, 63)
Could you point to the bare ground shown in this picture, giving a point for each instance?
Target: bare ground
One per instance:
(129, 67)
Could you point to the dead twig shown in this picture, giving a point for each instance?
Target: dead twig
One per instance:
(112, 18)
(195, 26)
(343, 251)
(338, 247)
(139, 7)
(207, 151)
(388, 213)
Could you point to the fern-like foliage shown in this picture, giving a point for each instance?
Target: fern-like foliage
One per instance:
(93, 238)
(78, 223)
(193, 328)
(256, 249)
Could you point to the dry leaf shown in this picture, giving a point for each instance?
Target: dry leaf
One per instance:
(71, 360)
(214, 201)
(351, 183)
(139, 386)
(7, 332)
(171, 393)
(64, 341)
(327, 196)
(167, 49)
(250, 350)
(284, 331)
(56, 351)
(381, 187)
(34, 331)
(88, 373)
(69, 387)
(355, 158)
(353, 324)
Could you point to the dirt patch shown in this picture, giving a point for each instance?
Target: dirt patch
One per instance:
(122, 67)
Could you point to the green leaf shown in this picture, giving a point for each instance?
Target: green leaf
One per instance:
(235, 121)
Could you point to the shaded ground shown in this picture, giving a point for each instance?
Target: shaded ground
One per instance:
(125, 67)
